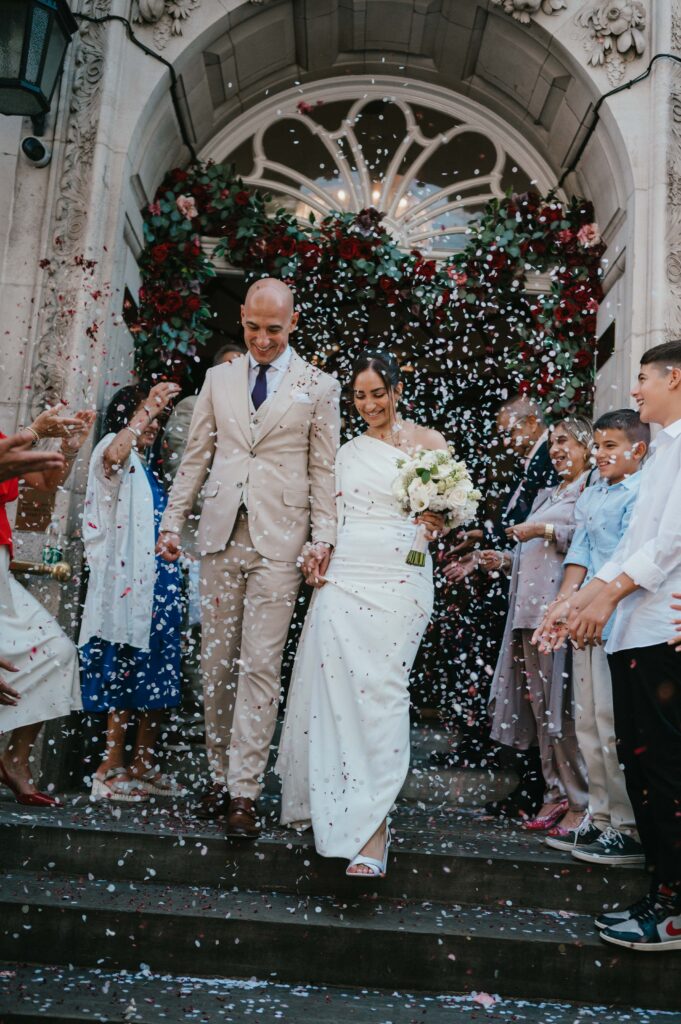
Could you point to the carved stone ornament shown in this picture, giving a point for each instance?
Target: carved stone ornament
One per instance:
(167, 17)
(149, 11)
(673, 218)
(522, 10)
(616, 31)
(70, 213)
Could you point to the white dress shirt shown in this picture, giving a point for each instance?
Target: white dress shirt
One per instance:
(650, 550)
(275, 372)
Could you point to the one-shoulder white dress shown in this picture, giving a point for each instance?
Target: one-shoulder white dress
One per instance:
(344, 752)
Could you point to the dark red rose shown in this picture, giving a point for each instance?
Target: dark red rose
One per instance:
(287, 246)
(193, 303)
(386, 284)
(349, 249)
(161, 252)
(582, 359)
(550, 214)
(425, 268)
(241, 198)
(498, 259)
(192, 248)
(178, 175)
(168, 303)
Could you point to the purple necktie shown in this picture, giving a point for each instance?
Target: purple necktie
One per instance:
(259, 392)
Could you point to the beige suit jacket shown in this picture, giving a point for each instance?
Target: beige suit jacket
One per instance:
(280, 461)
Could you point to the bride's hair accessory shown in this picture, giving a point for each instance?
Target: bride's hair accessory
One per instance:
(382, 362)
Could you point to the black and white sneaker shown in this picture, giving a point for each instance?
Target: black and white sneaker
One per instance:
(657, 929)
(612, 847)
(585, 834)
(611, 918)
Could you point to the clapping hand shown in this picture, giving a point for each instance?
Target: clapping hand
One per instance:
(524, 531)
(466, 541)
(675, 642)
(17, 460)
(51, 424)
(458, 568)
(159, 397)
(552, 633)
(8, 695)
(75, 440)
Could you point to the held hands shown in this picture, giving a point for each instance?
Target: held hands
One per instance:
(168, 546)
(8, 695)
(314, 563)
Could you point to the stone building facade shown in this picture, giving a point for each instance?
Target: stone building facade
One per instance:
(518, 78)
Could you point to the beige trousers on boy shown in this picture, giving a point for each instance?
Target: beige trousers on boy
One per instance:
(595, 725)
(247, 602)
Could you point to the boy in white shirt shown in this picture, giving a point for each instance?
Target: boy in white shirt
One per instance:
(637, 585)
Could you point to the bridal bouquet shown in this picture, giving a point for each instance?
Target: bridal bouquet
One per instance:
(435, 481)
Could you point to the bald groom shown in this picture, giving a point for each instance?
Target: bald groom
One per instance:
(263, 440)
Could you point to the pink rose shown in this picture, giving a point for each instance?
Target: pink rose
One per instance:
(155, 209)
(588, 235)
(459, 277)
(187, 206)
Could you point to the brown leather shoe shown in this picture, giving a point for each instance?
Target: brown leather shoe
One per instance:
(213, 804)
(242, 821)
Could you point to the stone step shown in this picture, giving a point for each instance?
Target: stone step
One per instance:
(71, 996)
(365, 941)
(453, 857)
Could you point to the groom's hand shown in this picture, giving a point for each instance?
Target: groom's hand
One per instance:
(314, 563)
(168, 546)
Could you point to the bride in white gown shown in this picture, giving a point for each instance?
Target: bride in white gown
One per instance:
(344, 752)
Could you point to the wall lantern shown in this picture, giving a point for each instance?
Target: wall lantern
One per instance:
(34, 35)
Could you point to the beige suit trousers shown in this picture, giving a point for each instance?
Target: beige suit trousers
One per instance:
(609, 803)
(247, 602)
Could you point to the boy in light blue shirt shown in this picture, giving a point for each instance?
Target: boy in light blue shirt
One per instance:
(607, 835)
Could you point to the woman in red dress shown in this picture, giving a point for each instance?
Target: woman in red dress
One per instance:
(41, 658)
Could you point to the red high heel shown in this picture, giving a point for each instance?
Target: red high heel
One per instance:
(546, 821)
(27, 799)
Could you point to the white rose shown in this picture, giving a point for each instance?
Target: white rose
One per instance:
(420, 495)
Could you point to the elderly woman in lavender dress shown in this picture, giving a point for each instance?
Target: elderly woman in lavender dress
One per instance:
(530, 699)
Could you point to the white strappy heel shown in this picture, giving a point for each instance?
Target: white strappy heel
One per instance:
(378, 868)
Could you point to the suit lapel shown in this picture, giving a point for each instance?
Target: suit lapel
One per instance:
(282, 398)
(237, 394)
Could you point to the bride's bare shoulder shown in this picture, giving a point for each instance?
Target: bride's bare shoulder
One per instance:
(425, 437)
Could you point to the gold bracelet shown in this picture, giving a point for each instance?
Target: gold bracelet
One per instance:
(549, 532)
(135, 433)
(36, 435)
(68, 454)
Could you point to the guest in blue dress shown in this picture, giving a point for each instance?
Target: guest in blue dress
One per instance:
(131, 629)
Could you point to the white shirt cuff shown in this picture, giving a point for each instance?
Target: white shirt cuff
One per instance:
(608, 572)
(644, 572)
